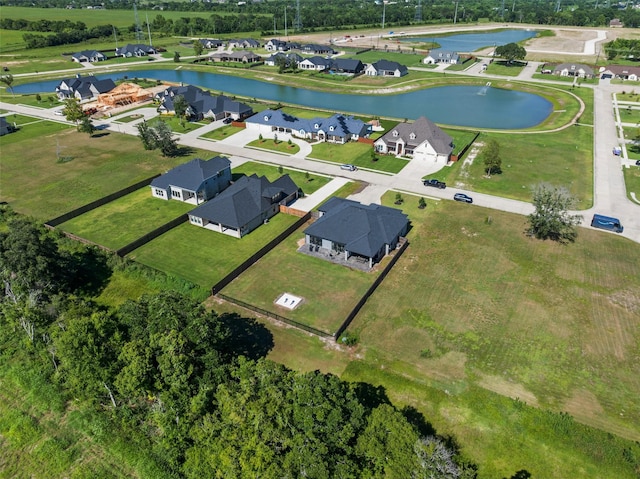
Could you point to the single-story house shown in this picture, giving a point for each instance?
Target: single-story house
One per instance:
(88, 56)
(83, 88)
(350, 228)
(386, 68)
(421, 139)
(244, 43)
(317, 49)
(289, 59)
(202, 104)
(348, 66)
(315, 63)
(193, 182)
(135, 50)
(5, 126)
(622, 72)
(616, 23)
(210, 43)
(275, 45)
(573, 70)
(245, 205)
(442, 56)
(336, 129)
(237, 57)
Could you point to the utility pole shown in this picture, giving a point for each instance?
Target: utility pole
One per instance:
(384, 11)
(297, 24)
(149, 30)
(137, 20)
(285, 22)
(455, 15)
(418, 17)
(502, 13)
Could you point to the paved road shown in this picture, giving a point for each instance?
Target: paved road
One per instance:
(609, 188)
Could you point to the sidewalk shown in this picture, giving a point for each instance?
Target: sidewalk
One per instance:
(310, 202)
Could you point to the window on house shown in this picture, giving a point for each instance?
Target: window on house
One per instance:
(315, 240)
(337, 247)
(159, 192)
(175, 193)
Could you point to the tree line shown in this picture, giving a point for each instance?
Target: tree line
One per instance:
(193, 384)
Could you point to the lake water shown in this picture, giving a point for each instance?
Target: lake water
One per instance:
(470, 42)
(471, 106)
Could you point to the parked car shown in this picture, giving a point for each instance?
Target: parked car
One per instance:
(349, 167)
(435, 183)
(58, 112)
(463, 197)
(637, 162)
(227, 120)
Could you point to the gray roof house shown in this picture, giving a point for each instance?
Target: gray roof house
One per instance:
(202, 104)
(317, 49)
(244, 43)
(348, 66)
(5, 126)
(421, 139)
(351, 229)
(211, 43)
(245, 205)
(135, 50)
(336, 129)
(88, 56)
(573, 70)
(193, 182)
(442, 56)
(315, 63)
(289, 58)
(386, 68)
(83, 88)
(242, 56)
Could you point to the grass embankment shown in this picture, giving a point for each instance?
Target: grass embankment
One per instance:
(88, 168)
(43, 435)
(632, 182)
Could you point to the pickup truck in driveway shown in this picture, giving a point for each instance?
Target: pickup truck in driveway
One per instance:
(435, 183)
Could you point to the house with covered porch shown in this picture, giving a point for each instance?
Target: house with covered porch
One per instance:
(349, 229)
(193, 182)
(245, 205)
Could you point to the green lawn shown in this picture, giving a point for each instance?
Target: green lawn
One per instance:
(308, 185)
(358, 154)
(563, 158)
(502, 68)
(279, 147)
(474, 302)
(627, 115)
(129, 119)
(119, 222)
(178, 126)
(632, 181)
(202, 256)
(96, 167)
(329, 291)
(222, 132)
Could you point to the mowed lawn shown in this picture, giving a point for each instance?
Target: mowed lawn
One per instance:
(474, 302)
(203, 256)
(358, 154)
(307, 182)
(119, 222)
(37, 183)
(329, 290)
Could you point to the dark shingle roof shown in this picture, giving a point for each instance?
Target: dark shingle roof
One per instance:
(389, 66)
(363, 229)
(245, 200)
(192, 174)
(422, 130)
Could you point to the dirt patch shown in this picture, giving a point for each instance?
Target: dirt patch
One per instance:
(569, 41)
(583, 404)
(507, 388)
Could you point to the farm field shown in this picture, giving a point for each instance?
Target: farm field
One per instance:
(119, 222)
(88, 168)
(329, 290)
(202, 256)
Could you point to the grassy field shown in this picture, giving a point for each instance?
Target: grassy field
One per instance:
(632, 181)
(329, 291)
(222, 132)
(627, 115)
(118, 223)
(279, 147)
(563, 158)
(94, 167)
(308, 185)
(178, 126)
(503, 68)
(43, 436)
(202, 256)
(358, 154)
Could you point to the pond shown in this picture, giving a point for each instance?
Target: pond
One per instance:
(470, 42)
(470, 106)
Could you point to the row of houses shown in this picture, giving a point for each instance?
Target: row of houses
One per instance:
(128, 51)
(202, 104)
(343, 66)
(579, 70)
(344, 228)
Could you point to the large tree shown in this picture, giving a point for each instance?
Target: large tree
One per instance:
(492, 160)
(511, 52)
(197, 47)
(86, 126)
(158, 136)
(73, 110)
(7, 80)
(551, 218)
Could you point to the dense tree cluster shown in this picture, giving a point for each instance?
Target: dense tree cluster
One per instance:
(158, 137)
(551, 218)
(175, 375)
